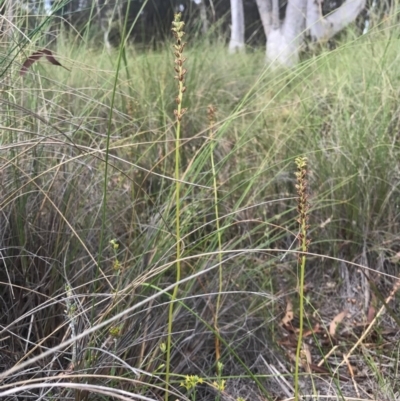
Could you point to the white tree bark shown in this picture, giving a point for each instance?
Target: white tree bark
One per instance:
(237, 28)
(281, 52)
(323, 28)
(265, 11)
(47, 6)
(105, 21)
(284, 41)
(203, 17)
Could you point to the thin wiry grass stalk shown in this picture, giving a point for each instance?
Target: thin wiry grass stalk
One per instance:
(107, 151)
(70, 314)
(125, 37)
(106, 159)
(211, 118)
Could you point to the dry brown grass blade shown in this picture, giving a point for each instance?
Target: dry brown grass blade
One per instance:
(371, 309)
(35, 57)
(351, 371)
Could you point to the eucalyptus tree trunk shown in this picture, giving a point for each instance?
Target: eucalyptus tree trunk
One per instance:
(285, 38)
(47, 6)
(237, 28)
(203, 17)
(265, 11)
(105, 15)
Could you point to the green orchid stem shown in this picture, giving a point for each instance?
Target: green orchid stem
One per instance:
(177, 29)
(302, 209)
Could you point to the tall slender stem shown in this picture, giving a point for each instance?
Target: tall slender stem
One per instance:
(177, 29)
(302, 209)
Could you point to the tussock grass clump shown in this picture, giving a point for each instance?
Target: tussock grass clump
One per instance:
(106, 194)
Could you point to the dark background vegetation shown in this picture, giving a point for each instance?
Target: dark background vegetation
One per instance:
(153, 22)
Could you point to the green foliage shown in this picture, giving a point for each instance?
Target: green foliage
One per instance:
(89, 211)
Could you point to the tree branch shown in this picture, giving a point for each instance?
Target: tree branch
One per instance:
(323, 28)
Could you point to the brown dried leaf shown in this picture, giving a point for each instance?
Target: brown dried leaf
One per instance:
(395, 258)
(289, 314)
(29, 61)
(35, 57)
(336, 321)
(50, 57)
(314, 330)
(306, 358)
